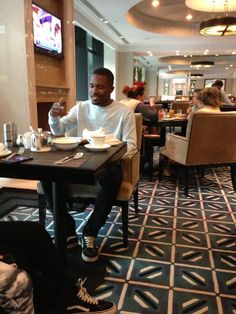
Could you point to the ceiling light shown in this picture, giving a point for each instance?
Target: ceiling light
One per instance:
(155, 3)
(189, 17)
(196, 75)
(204, 5)
(222, 26)
(202, 64)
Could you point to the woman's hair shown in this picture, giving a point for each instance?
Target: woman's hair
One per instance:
(136, 90)
(196, 93)
(210, 97)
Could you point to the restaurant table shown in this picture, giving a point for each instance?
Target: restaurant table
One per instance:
(163, 124)
(43, 167)
(227, 107)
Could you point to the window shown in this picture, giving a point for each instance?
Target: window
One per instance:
(89, 56)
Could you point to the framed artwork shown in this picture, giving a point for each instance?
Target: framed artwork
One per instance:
(209, 82)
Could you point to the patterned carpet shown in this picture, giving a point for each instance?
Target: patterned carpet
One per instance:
(182, 251)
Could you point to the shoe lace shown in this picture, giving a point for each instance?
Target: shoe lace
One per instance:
(90, 242)
(83, 294)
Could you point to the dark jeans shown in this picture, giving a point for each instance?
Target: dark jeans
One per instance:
(31, 247)
(110, 183)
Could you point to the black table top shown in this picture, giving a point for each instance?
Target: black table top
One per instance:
(166, 123)
(43, 166)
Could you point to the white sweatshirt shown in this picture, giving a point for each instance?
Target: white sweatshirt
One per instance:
(115, 118)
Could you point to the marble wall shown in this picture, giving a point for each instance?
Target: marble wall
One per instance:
(14, 100)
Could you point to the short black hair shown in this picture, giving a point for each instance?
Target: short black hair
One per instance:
(105, 72)
(218, 83)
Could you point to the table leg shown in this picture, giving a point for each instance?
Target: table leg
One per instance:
(59, 212)
(163, 136)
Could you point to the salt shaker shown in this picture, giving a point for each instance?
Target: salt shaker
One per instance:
(10, 134)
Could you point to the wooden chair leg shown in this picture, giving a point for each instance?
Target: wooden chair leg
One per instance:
(150, 161)
(42, 203)
(233, 175)
(162, 161)
(125, 217)
(186, 172)
(136, 200)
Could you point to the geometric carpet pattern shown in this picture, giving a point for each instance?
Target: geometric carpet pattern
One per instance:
(182, 251)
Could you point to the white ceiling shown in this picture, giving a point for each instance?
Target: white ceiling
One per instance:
(163, 31)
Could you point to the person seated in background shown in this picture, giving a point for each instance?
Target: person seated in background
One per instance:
(33, 278)
(98, 112)
(195, 103)
(223, 96)
(210, 102)
(135, 100)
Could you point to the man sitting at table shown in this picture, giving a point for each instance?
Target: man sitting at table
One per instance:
(223, 96)
(116, 118)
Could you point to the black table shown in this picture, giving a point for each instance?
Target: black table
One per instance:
(227, 107)
(163, 124)
(43, 167)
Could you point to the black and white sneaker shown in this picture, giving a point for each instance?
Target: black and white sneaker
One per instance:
(89, 249)
(85, 303)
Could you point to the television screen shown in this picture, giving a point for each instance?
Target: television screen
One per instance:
(47, 32)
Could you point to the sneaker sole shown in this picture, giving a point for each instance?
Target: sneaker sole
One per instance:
(89, 259)
(72, 310)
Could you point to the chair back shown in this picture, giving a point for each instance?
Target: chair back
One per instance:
(212, 138)
(139, 128)
(183, 105)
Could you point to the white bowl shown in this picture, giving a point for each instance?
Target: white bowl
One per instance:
(66, 143)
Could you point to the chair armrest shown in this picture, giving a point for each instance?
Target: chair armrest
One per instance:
(176, 148)
(130, 167)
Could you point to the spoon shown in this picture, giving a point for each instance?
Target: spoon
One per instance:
(69, 158)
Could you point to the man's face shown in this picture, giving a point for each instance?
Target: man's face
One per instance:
(100, 90)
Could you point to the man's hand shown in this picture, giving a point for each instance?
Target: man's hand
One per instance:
(56, 109)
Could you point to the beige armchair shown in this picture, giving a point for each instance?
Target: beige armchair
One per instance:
(210, 142)
(129, 186)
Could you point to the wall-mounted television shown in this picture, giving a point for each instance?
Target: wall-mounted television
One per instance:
(47, 32)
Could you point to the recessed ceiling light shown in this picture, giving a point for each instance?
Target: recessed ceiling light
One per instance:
(189, 17)
(155, 3)
(202, 64)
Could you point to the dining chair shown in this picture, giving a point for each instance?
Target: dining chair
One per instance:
(209, 142)
(150, 141)
(86, 195)
(180, 105)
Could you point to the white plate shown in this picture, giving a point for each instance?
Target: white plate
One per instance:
(97, 149)
(167, 119)
(5, 153)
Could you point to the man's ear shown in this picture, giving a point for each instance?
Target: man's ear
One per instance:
(112, 88)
